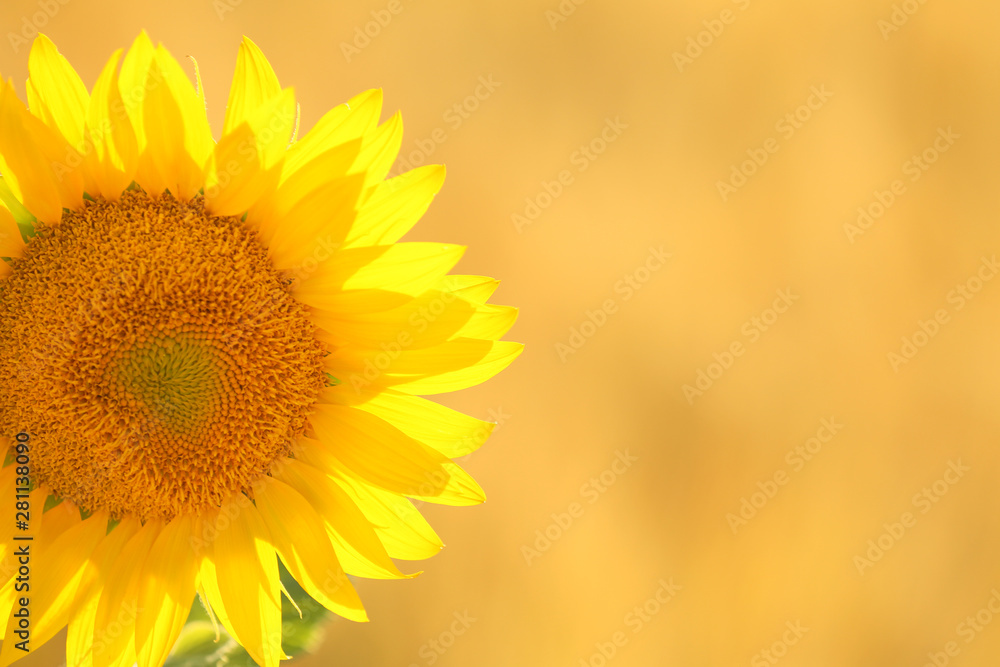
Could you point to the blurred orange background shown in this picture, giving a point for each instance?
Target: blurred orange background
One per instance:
(752, 425)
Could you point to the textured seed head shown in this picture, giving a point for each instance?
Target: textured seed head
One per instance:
(156, 356)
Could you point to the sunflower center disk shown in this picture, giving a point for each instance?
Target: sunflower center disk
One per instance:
(176, 382)
(158, 357)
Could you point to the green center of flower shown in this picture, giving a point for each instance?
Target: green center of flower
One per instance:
(177, 382)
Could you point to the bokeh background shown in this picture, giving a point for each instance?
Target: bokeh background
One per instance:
(840, 98)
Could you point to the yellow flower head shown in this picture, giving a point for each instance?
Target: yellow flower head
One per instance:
(214, 354)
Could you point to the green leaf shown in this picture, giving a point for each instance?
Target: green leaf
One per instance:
(197, 647)
(301, 635)
(197, 640)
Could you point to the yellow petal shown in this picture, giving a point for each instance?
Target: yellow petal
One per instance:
(246, 568)
(10, 191)
(56, 575)
(63, 566)
(208, 583)
(166, 589)
(300, 538)
(208, 591)
(42, 530)
(395, 206)
(10, 195)
(379, 150)
(246, 162)
(47, 526)
(408, 268)
(254, 84)
(380, 453)
(345, 305)
(7, 597)
(80, 635)
(319, 220)
(132, 83)
(276, 210)
(7, 478)
(475, 289)
(60, 92)
(489, 322)
(448, 431)
(272, 125)
(114, 624)
(83, 613)
(501, 354)
(336, 304)
(450, 366)
(401, 528)
(431, 319)
(358, 548)
(37, 157)
(178, 139)
(330, 164)
(338, 126)
(11, 542)
(114, 147)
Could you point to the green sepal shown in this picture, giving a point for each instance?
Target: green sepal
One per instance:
(51, 502)
(22, 216)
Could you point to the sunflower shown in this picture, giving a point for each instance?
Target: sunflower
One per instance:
(214, 355)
